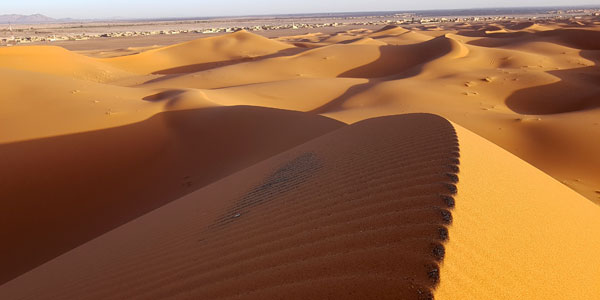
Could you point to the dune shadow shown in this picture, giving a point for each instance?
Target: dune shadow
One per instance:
(350, 41)
(163, 95)
(472, 33)
(212, 65)
(386, 28)
(193, 68)
(337, 103)
(578, 89)
(394, 63)
(60, 192)
(578, 38)
(399, 60)
(305, 45)
(362, 212)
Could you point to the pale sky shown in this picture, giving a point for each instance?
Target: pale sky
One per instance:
(205, 8)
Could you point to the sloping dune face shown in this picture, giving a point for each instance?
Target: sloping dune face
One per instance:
(359, 213)
(60, 192)
(354, 60)
(532, 90)
(201, 54)
(515, 235)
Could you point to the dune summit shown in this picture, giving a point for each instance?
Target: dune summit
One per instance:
(450, 161)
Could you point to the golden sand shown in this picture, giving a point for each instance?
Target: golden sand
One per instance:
(242, 167)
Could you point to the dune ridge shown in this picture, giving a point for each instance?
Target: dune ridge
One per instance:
(545, 247)
(353, 60)
(378, 229)
(83, 187)
(201, 53)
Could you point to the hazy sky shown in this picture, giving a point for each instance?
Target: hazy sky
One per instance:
(188, 8)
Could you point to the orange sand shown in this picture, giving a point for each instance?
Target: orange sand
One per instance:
(296, 227)
(234, 166)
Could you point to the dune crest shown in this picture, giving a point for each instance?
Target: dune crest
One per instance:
(200, 54)
(517, 223)
(84, 187)
(355, 60)
(378, 231)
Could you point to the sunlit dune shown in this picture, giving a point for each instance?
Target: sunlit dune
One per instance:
(452, 161)
(201, 54)
(58, 61)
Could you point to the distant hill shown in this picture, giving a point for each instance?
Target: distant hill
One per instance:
(26, 19)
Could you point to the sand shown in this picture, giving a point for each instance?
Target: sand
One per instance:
(295, 227)
(455, 162)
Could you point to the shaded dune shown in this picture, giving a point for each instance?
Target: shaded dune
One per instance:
(577, 90)
(82, 185)
(191, 68)
(202, 54)
(389, 30)
(560, 97)
(359, 213)
(389, 59)
(395, 60)
(575, 38)
(355, 60)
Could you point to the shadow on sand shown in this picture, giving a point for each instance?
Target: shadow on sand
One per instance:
(60, 192)
(578, 89)
(212, 65)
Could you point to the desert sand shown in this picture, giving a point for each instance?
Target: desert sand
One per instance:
(455, 162)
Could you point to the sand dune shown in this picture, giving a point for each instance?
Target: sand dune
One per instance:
(513, 232)
(395, 35)
(309, 166)
(37, 105)
(277, 94)
(294, 228)
(58, 61)
(79, 186)
(201, 54)
(354, 60)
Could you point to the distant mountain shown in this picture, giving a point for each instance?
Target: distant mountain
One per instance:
(26, 19)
